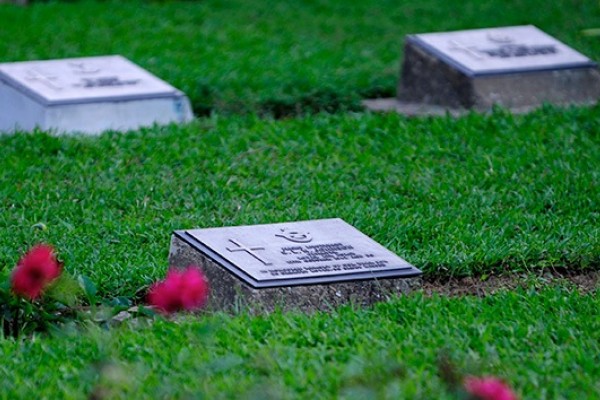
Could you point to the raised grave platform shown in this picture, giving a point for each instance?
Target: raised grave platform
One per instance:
(306, 265)
(87, 95)
(517, 67)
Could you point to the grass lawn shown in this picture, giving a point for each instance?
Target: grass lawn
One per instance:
(544, 342)
(453, 196)
(476, 195)
(285, 58)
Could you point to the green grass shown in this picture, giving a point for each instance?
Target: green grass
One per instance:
(545, 344)
(464, 196)
(285, 58)
(455, 197)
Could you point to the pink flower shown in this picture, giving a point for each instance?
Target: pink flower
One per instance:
(181, 290)
(36, 270)
(488, 388)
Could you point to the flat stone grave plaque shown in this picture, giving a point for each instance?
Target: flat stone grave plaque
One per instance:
(501, 50)
(86, 95)
(518, 67)
(304, 265)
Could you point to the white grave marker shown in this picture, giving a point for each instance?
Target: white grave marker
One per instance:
(502, 50)
(88, 95)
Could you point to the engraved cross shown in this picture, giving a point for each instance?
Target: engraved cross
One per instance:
(249, 250)
(48, 80)
(470, 50)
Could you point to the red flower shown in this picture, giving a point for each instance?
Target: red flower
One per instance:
(36, 270)
(488, 388)
(180, 290)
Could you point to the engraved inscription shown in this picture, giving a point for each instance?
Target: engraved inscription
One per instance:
(514, 50)
(308, 259)
(320, 252)
(503, 51)
(470, 50)
(295, 235)
(249, 250)
(337, 268)
(109, 81)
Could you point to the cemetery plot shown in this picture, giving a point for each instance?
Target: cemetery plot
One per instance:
(317, 253)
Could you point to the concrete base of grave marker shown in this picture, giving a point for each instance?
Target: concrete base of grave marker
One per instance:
(517, 68)
(86, 95)
(234, 289)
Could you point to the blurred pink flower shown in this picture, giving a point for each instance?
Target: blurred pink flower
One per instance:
(181, 290)
(488, 388)
(36, 270)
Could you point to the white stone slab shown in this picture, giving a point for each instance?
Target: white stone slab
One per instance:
(87, 95)
(502, 50)
(304, 252)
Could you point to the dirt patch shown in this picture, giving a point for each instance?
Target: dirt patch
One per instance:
(584, 281)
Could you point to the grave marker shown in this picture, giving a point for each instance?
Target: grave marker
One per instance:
(86, 95)
(307, 265)
(517, 67)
